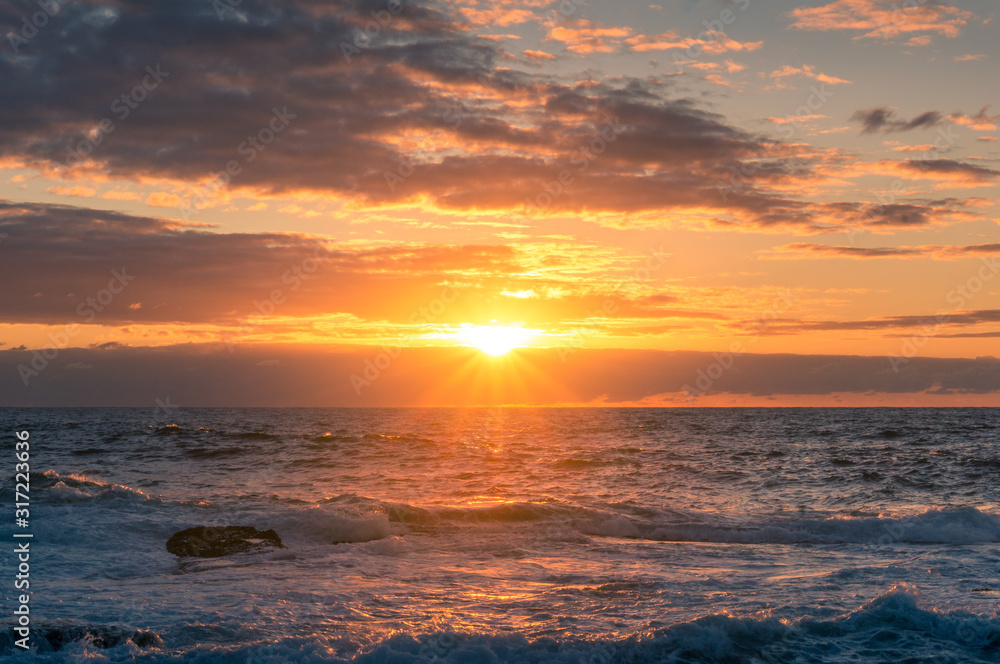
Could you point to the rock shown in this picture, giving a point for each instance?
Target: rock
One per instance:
(57, 638)
(213, 542)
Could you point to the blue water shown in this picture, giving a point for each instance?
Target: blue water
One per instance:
(513, 535)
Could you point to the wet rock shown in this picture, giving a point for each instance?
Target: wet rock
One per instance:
(217, 541)
(57, 638)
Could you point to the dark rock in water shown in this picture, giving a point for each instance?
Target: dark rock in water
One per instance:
(213, 542)
(57, 638)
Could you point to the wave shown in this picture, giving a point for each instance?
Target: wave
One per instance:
(965, 525)
(402, 438)
(79, 488)
(48, 639)
(167, 429)
(895, 620)
(333, 524)
(254, 435)
(215, 453)
(919, 633)
(352, 518)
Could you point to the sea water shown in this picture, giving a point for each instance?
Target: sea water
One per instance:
(512, 535)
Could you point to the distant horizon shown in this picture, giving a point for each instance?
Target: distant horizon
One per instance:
(581, 407)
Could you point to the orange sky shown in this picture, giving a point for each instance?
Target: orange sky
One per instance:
(815, 179)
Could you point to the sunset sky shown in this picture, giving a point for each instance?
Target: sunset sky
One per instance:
(242, 203)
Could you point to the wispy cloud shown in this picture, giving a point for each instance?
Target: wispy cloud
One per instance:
(885, 119)
(714, 44)
(883, 19)
(806, 71)
(802, 250)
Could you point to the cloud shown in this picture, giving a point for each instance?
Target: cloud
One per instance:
(927, 147)
(80, 192)
(425, 91)
(946, 173)
(116, 195)
(968, 58)
(938, 252)
(163, 199)
(885, 19)
(423, 76)
(496, 16)
(981, 121)
(935, 322)
(715, 43)
(806, 71)
(955, 172)
(885, 119)
(499, 37)
(320, 376)
(583, 36)
(895, 215)
(797, 119)
(728, 65)
(194, 281)
(183, 274)
(538, 56)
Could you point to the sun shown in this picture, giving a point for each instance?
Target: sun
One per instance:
(495, 340)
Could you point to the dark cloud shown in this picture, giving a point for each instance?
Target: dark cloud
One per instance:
(57, 256)
(885, 119)
(899, 215)
(981, 121)
(283, 376)
(930, 325)
(347, 99)
(962, 170)
(850, 252)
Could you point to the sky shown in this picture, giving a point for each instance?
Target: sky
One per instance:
(391, 202)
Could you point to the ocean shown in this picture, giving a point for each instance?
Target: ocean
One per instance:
(511, 535)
